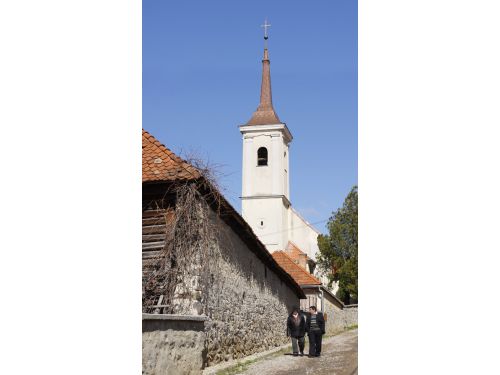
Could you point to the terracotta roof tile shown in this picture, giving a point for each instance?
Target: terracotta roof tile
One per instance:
(299, 274)
(161, 164)
(294, 251)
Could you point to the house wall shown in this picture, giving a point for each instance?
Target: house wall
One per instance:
(248, 303)
(334, 314)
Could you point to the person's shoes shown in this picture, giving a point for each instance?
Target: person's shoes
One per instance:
(310, 356)
(301, 354)
(318, 355)
(295, 354)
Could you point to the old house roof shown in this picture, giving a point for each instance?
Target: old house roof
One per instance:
(161, 164)
(294, 251)
(172, 168)
(299, 274)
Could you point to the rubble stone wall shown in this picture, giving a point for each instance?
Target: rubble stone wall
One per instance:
(248, 303)
(334, 312)
(350, 315)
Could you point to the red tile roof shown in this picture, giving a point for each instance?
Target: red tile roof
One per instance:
(299, 274)
(294, 251)
(161, 164)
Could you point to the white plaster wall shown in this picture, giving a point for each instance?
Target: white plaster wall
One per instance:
(302, 234)
(269, 211)
(262, 183)
(265, 180)
(264, 187)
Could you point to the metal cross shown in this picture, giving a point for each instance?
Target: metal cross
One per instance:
(265, 26)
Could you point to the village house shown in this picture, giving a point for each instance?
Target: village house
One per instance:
(208, 281)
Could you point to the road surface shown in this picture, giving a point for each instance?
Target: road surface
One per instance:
(339, 356)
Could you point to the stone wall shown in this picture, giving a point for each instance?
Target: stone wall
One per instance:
(173, 344)
(350, 315)
(248, 304)
(333, 310)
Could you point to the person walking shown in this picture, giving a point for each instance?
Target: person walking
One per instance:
(315, 328)
(296, 329)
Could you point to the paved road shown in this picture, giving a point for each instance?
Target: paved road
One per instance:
(339, 357)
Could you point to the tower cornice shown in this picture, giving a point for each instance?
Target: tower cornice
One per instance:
(282, 128)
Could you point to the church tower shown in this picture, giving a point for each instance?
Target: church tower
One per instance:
(265, 186)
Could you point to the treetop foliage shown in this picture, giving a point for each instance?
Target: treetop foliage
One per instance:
(338, 251)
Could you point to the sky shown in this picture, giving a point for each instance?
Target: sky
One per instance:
(202, 71)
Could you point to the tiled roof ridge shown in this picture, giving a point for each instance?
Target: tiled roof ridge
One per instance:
(190, 169)
(296, 247)
(298, 267)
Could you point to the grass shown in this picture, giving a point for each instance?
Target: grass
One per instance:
(236, 369)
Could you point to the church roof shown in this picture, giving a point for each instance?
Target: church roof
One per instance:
(299, 274)
(265, 114)
(161, 164)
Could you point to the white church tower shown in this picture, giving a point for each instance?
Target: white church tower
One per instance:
(265, 189)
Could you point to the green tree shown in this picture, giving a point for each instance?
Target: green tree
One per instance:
(338, 251)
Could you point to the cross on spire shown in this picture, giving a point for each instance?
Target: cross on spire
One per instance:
(265, 26)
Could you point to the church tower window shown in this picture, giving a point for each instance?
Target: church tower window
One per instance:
(262, 156)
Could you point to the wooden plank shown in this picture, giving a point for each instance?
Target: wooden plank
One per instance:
(153, 229)
(156, 220)
(151, 255)
(153, 237)
(153, 245)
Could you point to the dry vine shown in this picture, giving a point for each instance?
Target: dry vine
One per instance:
(178, 279)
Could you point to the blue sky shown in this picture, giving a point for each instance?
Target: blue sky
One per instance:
(201, 79)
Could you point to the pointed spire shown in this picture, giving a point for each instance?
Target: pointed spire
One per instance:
(265, 114)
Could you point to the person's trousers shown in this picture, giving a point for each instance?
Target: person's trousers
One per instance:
(315, 338)
(298, 344)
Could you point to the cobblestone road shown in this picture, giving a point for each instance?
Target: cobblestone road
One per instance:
(339, 357)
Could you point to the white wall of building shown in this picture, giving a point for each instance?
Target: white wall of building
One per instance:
(303, 234)
(266, 191)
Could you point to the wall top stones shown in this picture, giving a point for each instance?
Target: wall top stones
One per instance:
(197, 318)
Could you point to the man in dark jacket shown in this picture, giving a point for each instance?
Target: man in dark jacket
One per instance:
(315, 327)
(296, 329)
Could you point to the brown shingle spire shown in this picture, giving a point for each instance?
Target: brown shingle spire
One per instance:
(265, 115)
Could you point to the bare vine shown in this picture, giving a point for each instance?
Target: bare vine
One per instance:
(178, 279)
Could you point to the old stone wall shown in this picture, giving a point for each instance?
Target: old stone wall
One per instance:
(248, 304)
(173, 344)
(333, 310)
(350, 315)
